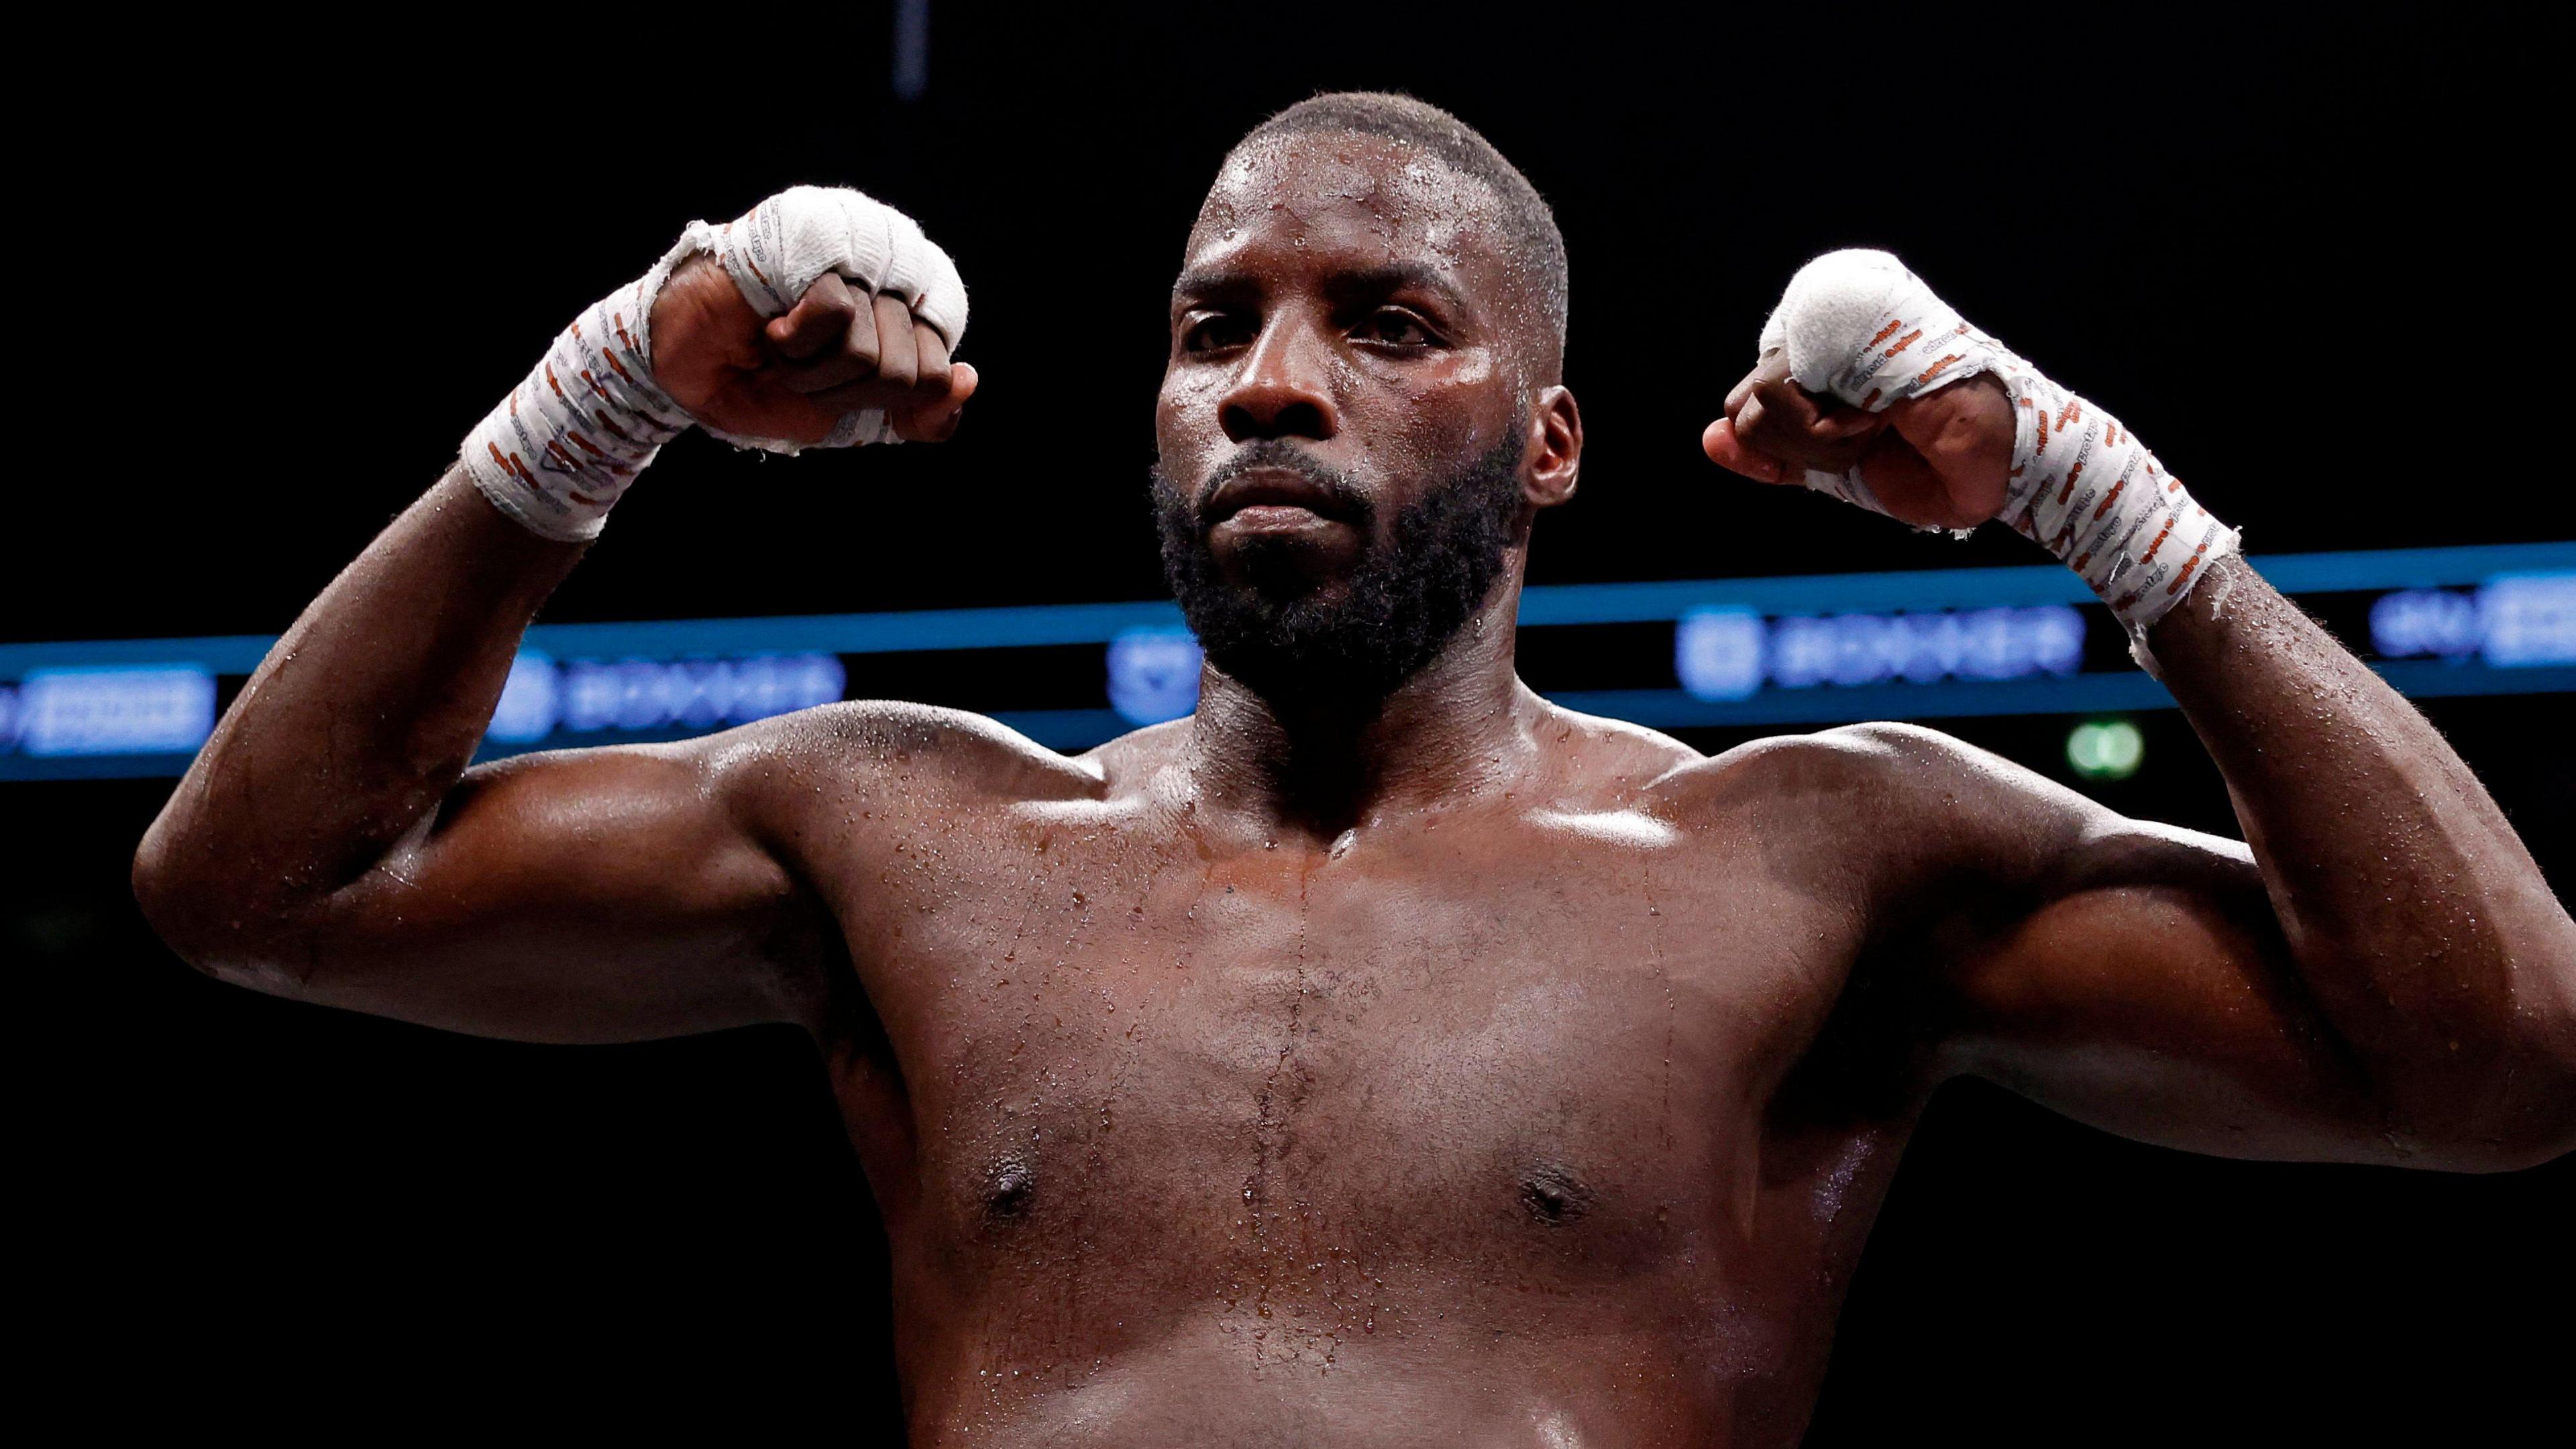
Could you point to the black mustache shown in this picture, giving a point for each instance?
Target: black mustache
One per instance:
(1344, 497)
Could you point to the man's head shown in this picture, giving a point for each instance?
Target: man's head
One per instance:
(1361, 411)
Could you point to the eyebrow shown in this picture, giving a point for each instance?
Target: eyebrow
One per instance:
(1389, 277)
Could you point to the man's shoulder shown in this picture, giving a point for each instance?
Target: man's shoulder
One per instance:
(1874, 776)
(938, 757)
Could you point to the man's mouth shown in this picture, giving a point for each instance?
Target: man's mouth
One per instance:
(1273, 499)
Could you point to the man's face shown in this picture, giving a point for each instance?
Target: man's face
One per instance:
(1344, 413)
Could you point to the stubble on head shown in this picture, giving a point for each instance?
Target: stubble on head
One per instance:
(1372, 301)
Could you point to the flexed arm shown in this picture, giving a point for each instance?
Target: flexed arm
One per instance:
(2384, 976)
(329, 842)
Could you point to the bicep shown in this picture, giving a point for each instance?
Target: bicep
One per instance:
(592, 895)
(2141, 984)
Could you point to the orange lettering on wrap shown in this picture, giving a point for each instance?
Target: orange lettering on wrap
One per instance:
(2185, 571)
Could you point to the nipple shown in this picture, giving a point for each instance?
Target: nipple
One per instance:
(1009, 1187)
(1553, 1196)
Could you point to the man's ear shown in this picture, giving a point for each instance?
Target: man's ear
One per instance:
(1556, 443)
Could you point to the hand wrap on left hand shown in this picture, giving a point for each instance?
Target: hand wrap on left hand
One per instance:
(1858, 326)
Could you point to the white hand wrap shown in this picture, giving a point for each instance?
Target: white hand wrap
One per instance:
(1859, 326)
(564, 445)
(785, 245)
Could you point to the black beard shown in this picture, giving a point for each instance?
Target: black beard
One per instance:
(1407, 599)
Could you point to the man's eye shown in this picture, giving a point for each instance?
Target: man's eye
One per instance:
(1210, 334)
(1395, 328)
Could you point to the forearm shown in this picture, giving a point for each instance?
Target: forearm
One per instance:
(2419, 923)
(323, 845)
(2423, 948)
(357, 722)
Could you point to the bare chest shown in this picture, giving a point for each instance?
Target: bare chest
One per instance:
(1489, 1050)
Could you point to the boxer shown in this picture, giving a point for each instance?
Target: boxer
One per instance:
(1382, 1055)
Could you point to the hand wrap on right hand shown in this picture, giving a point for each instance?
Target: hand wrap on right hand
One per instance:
(564, 446)
(785, 245)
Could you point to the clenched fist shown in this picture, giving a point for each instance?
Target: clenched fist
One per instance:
(821, 317)
(1940, 460)
(839, 350)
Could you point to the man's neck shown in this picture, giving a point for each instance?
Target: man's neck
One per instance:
(1313, 765)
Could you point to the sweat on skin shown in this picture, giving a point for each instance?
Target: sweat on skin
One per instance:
(1406, 1062)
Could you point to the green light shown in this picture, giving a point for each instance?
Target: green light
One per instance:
(2109, 749)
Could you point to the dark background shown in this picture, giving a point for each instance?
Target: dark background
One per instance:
(2301, 256)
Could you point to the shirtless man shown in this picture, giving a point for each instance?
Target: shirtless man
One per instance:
(1382, 1055)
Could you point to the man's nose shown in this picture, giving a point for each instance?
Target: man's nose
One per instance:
(1282, 390)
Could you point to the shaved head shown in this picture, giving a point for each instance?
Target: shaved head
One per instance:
(1361, 411)
(1519, 216)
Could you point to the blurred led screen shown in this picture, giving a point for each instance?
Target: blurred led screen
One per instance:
(1821, 649)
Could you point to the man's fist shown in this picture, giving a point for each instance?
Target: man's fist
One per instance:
(1873, 389)
(821, 317)
(1940, 460)
(837, 351)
